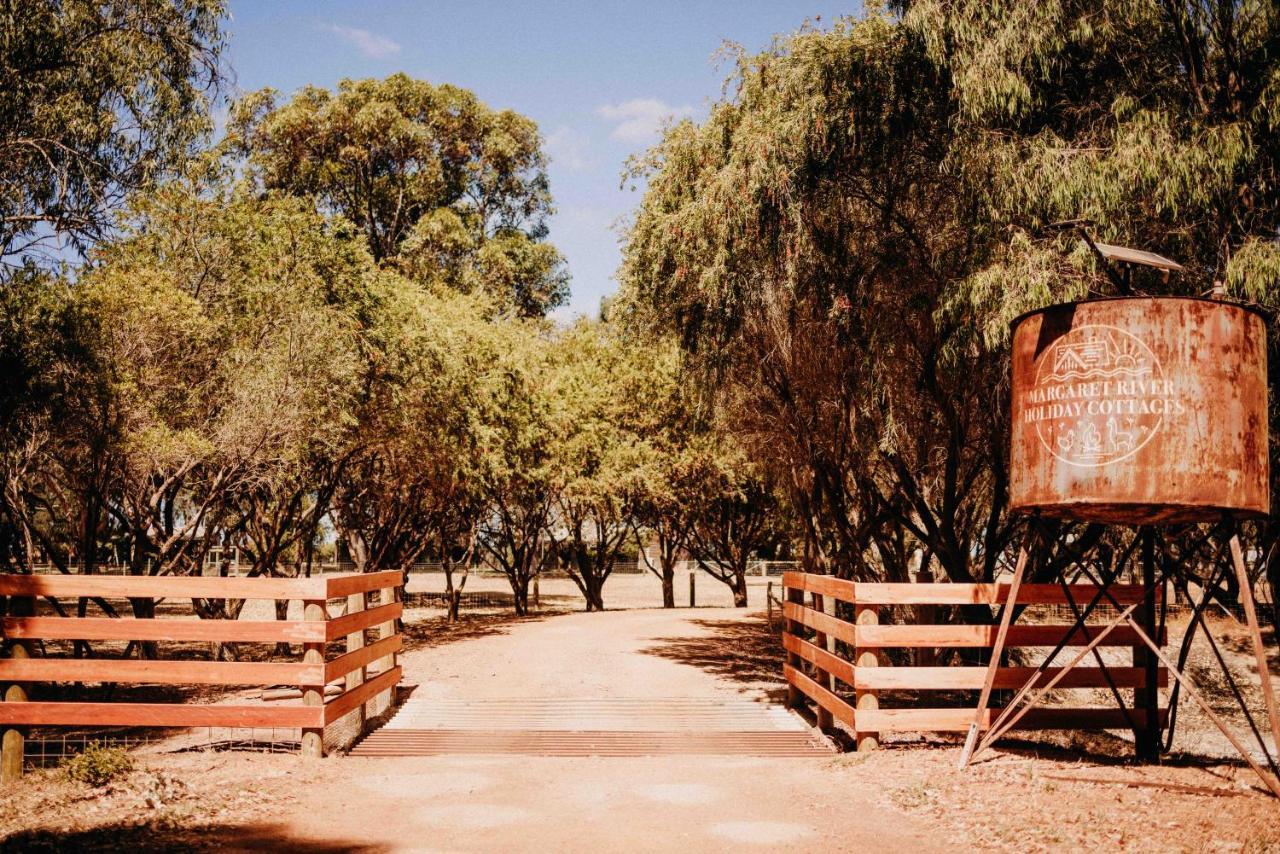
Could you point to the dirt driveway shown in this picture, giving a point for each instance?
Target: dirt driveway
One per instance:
(684, 672)
(677, 672)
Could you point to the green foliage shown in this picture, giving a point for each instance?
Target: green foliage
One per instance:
(452, 191)
(841, 244)
(98, 765)
(1155, 122)
(97, 99)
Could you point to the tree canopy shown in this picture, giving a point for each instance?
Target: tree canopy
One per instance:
(97, 99)
(841, 243)
(453, 191)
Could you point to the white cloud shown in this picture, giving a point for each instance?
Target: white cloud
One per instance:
(370, 44)
(570, 149)
(640, 119)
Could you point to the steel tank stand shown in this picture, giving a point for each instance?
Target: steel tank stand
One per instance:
(1032, 692)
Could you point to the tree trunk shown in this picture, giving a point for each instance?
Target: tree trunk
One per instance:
(520, 591)
(593, 592)
(668, 586)
(452, 594)
(282, 613)
(145, 609)
(739, 588)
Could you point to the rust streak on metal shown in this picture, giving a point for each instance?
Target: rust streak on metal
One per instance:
(1140, 410)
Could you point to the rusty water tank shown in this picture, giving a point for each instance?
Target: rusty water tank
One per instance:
(1140, 410)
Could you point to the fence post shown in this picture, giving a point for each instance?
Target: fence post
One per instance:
(11, 744)
(795, 699)
(355, 641)
(866, 615)
(313, 610)
(825, 721)
(385, 630)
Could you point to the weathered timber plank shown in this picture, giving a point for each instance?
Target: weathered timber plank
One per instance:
(819, 621)
(958, 720)
(363, 619)
(338, 586)
(816, 655)
(160, 586)
(345, 703)
(344, 664)
(823, 585)
(873, 593)
(956, 678)
(839, 709)
(984, 636)
(160, 672)
(108, 628)
(157, 714)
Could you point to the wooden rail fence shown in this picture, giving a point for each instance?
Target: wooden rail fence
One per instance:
(825, 651)
(361, 672)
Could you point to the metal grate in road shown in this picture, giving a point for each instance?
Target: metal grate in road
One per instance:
(593, 726)
(628, 714)
(432, 742)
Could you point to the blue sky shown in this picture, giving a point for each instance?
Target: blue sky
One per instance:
(596, 76)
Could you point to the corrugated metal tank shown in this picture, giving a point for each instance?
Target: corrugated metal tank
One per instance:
(1140, 410)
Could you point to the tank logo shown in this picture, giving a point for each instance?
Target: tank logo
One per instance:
(1099, 396)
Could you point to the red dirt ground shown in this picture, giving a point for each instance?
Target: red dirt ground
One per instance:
(1034, 797)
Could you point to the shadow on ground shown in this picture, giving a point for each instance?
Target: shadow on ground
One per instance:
(740, 650)
(156, 837)
(438, 631)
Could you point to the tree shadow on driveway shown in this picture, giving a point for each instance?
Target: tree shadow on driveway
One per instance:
(742, 651)
(438, 631)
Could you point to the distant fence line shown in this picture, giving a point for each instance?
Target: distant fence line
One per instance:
(755, 568)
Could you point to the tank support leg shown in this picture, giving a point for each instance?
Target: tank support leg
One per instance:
(997, 651)
(1259, 650)
(1147, 698)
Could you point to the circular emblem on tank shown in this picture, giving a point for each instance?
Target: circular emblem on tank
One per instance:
(1100, 395)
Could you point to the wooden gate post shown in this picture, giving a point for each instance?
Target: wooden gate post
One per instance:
(825, 721)
(385, 630)
(795, 698)
(13, 740)
(355, 641)
(866, 615)
(313, 610)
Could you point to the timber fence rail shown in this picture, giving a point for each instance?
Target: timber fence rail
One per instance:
(336, 653)
(828, 656)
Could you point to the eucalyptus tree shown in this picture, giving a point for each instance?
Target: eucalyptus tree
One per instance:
(801, 241)
(845, 238)
(666, 487)
(50, 456)
(519, 474)
(1151, 123)
(413, 487)
(227, 331)
(735, 516)
(98, 98)
(444, 187)
(599, 381)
